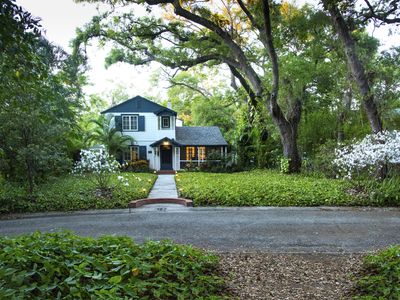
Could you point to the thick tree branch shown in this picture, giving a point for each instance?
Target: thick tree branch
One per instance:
(274, 107)
(249, 15)
(245, 85)
(382, 16)
(202, 92)
(236, 50)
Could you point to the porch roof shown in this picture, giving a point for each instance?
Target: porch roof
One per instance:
(165, 141)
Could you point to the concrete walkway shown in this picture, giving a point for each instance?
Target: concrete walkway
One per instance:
(164, 187)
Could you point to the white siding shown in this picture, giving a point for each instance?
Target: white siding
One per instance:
(151, 134)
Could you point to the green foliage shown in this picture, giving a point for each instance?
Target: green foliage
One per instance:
(39, 98)
(105, 133)
(136, 166)
(261, 187)
(381, 278)
(284, 165)
(66, 266)
(74, 193)
(386, 192)
(323, 158)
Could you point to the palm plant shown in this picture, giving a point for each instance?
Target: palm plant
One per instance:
(106, 134)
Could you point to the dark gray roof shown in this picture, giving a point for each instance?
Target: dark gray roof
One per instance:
(199, 136)
(138, 104)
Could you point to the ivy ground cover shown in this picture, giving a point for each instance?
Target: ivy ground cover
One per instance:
(380, 276)
(75, 193)
(262, 188)
(66, 266)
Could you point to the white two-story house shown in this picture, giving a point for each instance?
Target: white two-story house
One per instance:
(160, 138)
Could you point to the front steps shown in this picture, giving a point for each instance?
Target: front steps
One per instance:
(166, 172)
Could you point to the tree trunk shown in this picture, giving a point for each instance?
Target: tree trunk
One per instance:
(288, 133)
(346, 106)
(356, 67)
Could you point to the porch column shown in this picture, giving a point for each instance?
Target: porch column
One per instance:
(198, 156)
(178, 158)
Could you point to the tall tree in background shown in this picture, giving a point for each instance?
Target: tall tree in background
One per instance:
(355, 65)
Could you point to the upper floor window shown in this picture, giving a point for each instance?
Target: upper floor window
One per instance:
(130, 122)
(165, 122)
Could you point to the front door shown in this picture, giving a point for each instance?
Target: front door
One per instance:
(166, 157)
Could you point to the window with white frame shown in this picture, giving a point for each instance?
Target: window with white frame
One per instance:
(165, 122)
(130, 122)
(126, 155)
(202, 153)
(190, 153)
(134, 153)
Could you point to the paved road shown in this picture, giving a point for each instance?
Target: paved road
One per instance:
(249, 229)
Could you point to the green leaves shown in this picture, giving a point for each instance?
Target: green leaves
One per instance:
(262, 187)
(74, 193)
(382, 279)
(63, 265)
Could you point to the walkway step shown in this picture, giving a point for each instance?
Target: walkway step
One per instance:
(168, 172)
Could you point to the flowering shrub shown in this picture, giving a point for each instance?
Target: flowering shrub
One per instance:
(373, 151)
(136, 166)
(99, 164)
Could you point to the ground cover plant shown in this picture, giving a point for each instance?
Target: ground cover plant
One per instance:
(66, 266)
(264, 187)
(381, 276)
(71, 192)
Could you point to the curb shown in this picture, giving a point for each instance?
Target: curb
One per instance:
(141, 202)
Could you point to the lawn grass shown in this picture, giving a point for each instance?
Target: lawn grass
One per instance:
(380, 276)
(262, 188)
(66, 266)
(71, 192)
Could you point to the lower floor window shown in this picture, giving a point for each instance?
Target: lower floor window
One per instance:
(134, 153)
(202, 153)
(131, 154)
(190, 153)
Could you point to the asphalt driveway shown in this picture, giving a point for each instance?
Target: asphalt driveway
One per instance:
(334, 230)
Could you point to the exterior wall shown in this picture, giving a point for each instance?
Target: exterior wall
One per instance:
(150, 134)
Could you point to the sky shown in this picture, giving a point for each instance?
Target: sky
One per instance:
(60, 18)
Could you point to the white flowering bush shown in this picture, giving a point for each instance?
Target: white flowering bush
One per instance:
(98, 164)
(373, 151)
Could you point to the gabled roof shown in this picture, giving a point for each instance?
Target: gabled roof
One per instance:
(199, 136)
(139, 104)
(165, 140)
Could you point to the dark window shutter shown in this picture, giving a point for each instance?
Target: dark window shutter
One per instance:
(118, 123)
(141, 123)
(142, 152)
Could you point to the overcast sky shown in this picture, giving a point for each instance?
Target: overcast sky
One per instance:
(60, 18)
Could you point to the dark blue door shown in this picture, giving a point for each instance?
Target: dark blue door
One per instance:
(166, 157)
